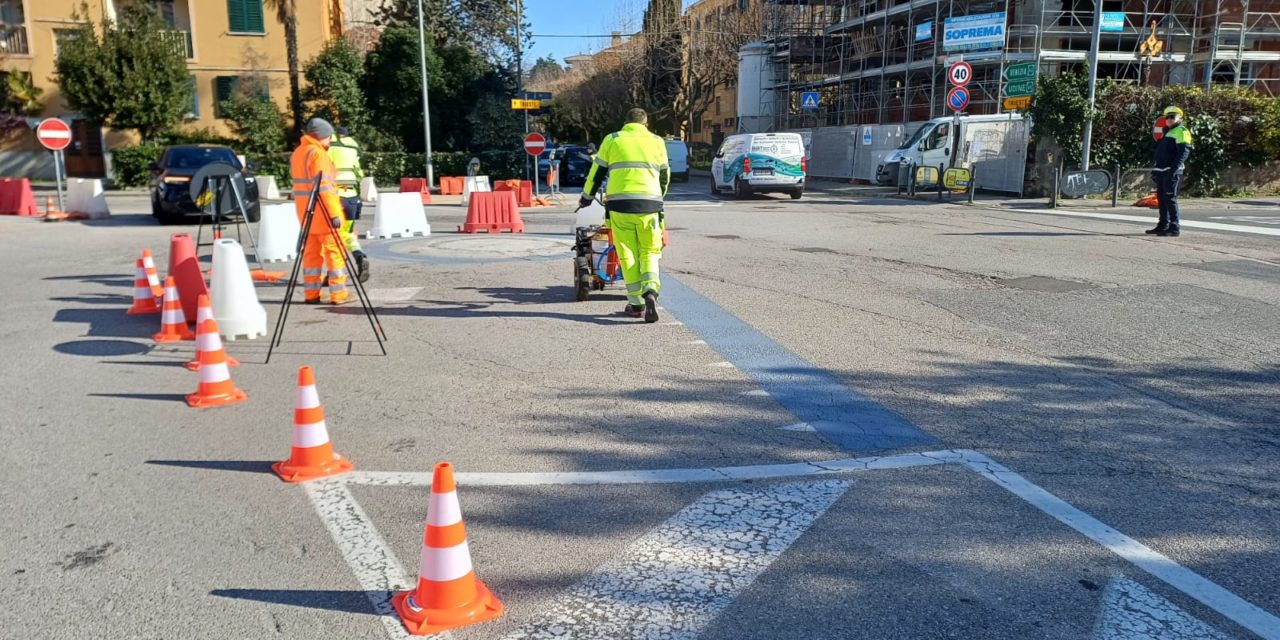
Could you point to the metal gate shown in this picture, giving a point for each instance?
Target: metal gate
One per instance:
(875, 141)
(997, 152)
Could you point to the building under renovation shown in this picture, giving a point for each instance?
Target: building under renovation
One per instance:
(885, 61)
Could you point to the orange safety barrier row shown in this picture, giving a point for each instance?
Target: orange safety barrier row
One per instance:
(522, 188)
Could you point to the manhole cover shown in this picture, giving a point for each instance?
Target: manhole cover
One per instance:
(1043, 284)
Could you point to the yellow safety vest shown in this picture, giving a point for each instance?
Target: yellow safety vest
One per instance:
(636, 163)
(345, 153)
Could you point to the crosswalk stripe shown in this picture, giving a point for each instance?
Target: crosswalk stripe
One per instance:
(675, 580)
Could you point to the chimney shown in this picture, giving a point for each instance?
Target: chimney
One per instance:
(617, 39)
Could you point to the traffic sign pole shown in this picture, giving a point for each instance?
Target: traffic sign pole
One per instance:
(59, 166)
(55, 135)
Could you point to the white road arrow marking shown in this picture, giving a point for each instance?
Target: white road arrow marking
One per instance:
(675, 580)
(1131, 611)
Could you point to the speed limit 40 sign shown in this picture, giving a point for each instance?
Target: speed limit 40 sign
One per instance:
(960, 73)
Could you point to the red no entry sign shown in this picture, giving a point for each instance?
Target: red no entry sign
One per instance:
(534, 144)
(54, 134)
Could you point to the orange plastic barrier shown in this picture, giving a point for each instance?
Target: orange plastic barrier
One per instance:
(493, 212)
(416, 185)
(185, 269)
(451, 185)
(16, 198)
(522, 188)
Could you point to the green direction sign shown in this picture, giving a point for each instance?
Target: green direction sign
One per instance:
(1022, 71)
(1014, 89)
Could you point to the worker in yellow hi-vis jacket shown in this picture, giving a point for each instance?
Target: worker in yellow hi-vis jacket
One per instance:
(635, 163)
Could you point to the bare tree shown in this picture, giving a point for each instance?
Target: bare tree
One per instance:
(712, 41)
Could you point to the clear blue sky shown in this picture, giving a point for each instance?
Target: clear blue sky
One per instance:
(577, 18)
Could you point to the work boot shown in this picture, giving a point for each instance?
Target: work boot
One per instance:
(1156, 231)
(1169, 233)
(633, 311)
(650, 307)
(362, 266)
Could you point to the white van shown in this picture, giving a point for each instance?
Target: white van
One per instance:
(750, 163)
(941, 142)
(678, 158)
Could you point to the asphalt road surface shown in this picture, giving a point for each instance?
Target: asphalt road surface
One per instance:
(859, 417)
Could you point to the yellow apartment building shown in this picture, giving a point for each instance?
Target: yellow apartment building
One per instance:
(709, 22)
(223, 40)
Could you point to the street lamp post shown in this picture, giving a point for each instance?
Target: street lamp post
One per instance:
(1094, 44)
(426, 109)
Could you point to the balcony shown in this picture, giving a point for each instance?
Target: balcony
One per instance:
(181, 41)
(13, 40)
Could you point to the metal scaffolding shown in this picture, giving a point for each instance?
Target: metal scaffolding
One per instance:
(866, 63)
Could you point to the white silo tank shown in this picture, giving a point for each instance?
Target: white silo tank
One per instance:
(755, 88)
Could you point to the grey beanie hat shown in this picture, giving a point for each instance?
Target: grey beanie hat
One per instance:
(319, 128)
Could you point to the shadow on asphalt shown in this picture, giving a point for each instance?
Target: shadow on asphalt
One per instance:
(159, 397)
(246, 466)
(126, 220)
(1031, 234)
(97, 298)
(110, 323)
(482, 310)
(343, 601)
(104, 279)
(100, 348)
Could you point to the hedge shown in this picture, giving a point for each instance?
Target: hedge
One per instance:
(386, 167)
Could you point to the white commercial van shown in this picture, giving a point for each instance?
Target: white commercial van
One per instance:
(998, 142)
(678, 158)
(750, 163)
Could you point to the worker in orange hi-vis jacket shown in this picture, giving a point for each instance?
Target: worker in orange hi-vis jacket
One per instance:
(310, 164)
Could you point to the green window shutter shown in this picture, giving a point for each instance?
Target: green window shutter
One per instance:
(253, 16)
(224, 87)
(236, 22)
(245, 16)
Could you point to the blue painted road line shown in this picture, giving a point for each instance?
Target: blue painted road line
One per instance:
(840, 414)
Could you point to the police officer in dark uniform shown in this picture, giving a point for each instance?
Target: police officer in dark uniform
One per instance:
(1172, 151)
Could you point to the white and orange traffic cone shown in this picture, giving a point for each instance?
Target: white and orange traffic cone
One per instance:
(144, 298)
(173, 324)
(449, 595)
(206, 340)
(312, 455)
(153, 278)
(216, 388)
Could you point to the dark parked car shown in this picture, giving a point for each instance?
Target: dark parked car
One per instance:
(171, 201)
(575, 162)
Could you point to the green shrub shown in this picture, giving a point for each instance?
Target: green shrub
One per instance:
(131, 164)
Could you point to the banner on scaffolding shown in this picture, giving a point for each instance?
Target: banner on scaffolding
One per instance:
(967, 33)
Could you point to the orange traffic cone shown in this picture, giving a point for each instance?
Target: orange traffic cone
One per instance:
(206, 340)
(173, 324)
(312, 455)
(449, 595)
(215, 388)
(144, 299)
(149, 264)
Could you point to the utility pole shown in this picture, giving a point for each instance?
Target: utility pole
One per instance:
(520, 78)
(426, 109)
(1094, 44)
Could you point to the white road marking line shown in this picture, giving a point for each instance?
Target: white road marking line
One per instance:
(657, 476)
(400, 294)
(755, 392)
(696, 342)
(699, 205)
(1269, 220)
(1177, 576)
(673, 323)
(803, 427)
(369, 556)
(676, 579)
(1191, 224)
(721, 365)
(1130, 611)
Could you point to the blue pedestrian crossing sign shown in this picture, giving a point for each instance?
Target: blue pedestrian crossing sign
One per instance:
(809, 100)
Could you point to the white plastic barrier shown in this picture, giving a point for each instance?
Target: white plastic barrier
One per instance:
(399, 215)
(278, 232)
(267, 188)
(592, 216)
(235, 302)
(87, 197)
(478, 184)
(368, 190)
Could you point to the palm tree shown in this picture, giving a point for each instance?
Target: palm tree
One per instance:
(287, 14)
